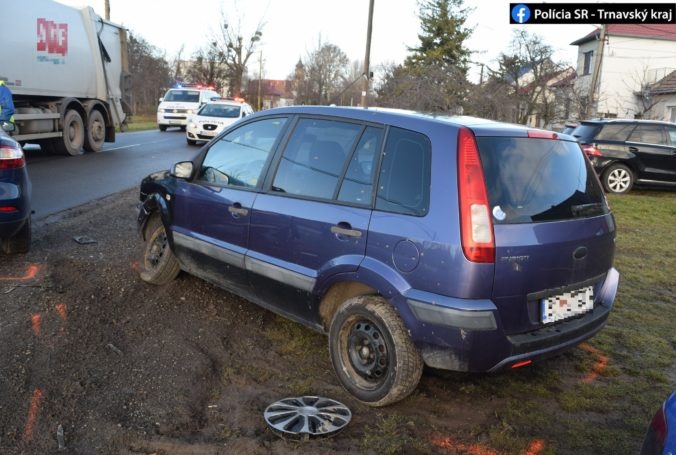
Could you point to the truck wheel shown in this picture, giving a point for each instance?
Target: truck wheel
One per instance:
(96, 132)
(20, 242)
(73, 134)
(618, 179)
(372, 353)
(159, 265)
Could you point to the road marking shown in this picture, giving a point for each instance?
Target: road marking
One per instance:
(32, 415)
(136, 145)
(35, 323)
(599, 366)
(31, 271)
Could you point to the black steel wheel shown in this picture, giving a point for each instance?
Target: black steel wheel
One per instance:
(159, 265)
(372, 353)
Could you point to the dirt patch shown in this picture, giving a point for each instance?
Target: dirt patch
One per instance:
(94, 361)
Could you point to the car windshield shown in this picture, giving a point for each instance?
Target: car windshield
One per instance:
(535, 180)
(189, 96)
(220, 110)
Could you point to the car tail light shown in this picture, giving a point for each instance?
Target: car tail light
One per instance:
(542, 134)
(590, 150)
(11, 155)
(8, 209)
(475, 222)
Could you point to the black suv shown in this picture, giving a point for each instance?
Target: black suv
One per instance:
(625, 152)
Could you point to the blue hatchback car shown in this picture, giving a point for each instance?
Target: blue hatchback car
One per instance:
(15, 197)
(409, 239)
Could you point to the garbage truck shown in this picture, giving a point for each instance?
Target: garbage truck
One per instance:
(68, 71)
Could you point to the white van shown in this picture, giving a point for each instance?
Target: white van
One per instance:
(179, 103)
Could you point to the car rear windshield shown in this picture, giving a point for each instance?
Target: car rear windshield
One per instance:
(586, 131)
(536, 180)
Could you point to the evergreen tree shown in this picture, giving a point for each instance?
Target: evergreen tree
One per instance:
(442, 40)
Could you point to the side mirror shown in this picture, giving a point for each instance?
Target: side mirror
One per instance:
(8, 126)
(161, 99)
(183, 170)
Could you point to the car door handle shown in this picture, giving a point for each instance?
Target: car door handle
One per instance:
(237, 210)
(633, 149)
(346, 230)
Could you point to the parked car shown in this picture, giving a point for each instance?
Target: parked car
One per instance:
(660, 438)
(569, 127)
(180, 102)
(625, 152)
(15, 196)
(213, 117)
(410, 240)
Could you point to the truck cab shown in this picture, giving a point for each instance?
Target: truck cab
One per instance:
(180, 103)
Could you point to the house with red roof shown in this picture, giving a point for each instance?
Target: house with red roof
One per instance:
(630, 61)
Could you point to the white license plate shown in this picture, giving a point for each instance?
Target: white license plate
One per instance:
(566, 305)
(208, 133)
(175, 122)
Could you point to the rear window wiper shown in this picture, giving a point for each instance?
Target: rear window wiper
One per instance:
(587, 209)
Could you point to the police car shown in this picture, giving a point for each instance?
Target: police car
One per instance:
(213, 117)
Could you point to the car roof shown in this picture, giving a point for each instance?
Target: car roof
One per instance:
(407, 118)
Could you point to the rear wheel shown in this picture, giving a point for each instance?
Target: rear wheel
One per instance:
(372, 353)
(618, 179)
(159, 265)
(96, 132)
(73, 134)
(19, 242)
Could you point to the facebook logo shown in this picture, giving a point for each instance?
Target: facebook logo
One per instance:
(520, 14)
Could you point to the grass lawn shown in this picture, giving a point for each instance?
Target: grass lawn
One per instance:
(143, 122)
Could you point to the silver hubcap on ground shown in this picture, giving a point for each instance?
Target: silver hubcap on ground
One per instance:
(307, 417)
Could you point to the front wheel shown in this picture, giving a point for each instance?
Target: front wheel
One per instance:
(163, 128)
(372, 354)
(618, 179)
(159, 265)
(191, 142)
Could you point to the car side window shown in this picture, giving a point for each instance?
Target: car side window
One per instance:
(313, 161)
(238, 158)
(615, 131)
(672, 134)
(649, 134)
(357, 186)
(404, 181)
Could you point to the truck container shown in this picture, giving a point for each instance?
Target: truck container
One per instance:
(68, 72)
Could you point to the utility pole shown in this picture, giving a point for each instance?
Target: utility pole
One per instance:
(367, 58)
(260, 76)
(107, 10)
(593, 87)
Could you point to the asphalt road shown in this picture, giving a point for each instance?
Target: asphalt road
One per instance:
(63, 182)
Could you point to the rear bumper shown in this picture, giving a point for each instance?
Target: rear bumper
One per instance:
(16, 196)
(466, 335)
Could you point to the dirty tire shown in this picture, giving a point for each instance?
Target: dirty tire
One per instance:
(20, 242)
(158, 265)
(96, 132)
(618, 179)
(372, 353)
(191, 142)
(73, 134)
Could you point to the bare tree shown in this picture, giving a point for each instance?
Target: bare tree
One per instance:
(235, 48)
(207, 67)
(324, 71)
(151, 74)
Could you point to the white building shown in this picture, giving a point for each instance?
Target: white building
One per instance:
(633, 58)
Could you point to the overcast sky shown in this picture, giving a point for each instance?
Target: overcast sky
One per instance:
(292, 28)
